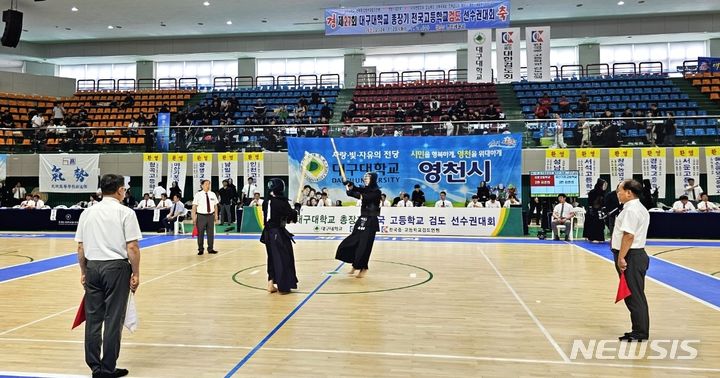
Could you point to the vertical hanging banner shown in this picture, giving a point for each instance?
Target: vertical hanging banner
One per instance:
(177, 170)
(654, 168)
(152, 171)
(537, 40)
(202, 169)
(588, 164)
(621, 165)
(479, 56)
(228, 166)
(69, 173)
(687, 166)
(253, 166)
(3, 167)
(508, 54)
(712, 159)
(557, 159)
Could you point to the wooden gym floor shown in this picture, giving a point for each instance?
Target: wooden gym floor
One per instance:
(429, 307)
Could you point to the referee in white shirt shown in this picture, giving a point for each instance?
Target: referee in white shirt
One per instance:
(205, 215)
(109, 258)
(628, 247)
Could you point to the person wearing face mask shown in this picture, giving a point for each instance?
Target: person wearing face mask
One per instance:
(357, 247)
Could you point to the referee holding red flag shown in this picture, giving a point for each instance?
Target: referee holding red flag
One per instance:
(628, 247)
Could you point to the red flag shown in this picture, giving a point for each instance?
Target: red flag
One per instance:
(623, 289)
(195, 231)
(80, 316)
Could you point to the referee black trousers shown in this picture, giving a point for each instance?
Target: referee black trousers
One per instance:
(637, 265)
(206, 222)
(107, 286)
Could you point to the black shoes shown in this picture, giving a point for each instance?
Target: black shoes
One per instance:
(630, 337)
(212, 251)
(200, 252)
(116, 373)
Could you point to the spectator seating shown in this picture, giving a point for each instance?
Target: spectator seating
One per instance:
(273, 97)
(19, 106)
(378, 103)
(707, 82)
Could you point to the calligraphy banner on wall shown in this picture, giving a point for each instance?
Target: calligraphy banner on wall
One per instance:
(588, 165)
(202, 169)
(254, 166)
(417, 18)
(228, 166)
(712, 158)
(455, 165)
(177, 170)
(69, 173)
(557, 159)
(537, 41)
(479, 56)
(621, 165)
(508, 54)
(152, 171)
(687, 166)
(654, 168)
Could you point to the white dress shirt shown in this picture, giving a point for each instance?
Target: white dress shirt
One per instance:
(146, 204)
(325, 203)
(19, 193)
(679, 207)
(707, 206)
(404, 203)
(106, 228)
(201, 201)
(633, 219)
(158, 192)
(693, 193)
(492, 205)
(563, 210)
(441, 203)
(248, 190)
(385, 203)
(176, 210)
(257, 202)
(27, 204)
(509, 203)
(477, 204)
(164, 204)
(39, 204)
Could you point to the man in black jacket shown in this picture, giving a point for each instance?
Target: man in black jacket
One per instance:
(418, 197)
(228, 197)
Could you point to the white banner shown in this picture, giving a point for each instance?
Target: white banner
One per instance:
(508, 54)
(588, 166)
(687, 166)
(69, 173)
(228, 166)
(3, 167)
(254, 166)
(403, 221)
(177, 170)
(479, 56)
(557, 159)
(621, 165)
(152, 171)
(654, 168)
(202, 169)
(537, 47)
(712, 158)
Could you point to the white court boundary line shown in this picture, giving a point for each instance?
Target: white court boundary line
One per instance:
(386, 354)
(527, 309)
(696, 299)
(686, 267)
(146, 282)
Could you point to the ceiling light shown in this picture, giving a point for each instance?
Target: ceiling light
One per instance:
(111, 27)
(520, 8)
(207, 3)
(578, 5)
(263, 21)
(621, 2)
(229, 22)
(74, 9)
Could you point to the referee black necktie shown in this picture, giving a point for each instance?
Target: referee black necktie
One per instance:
(207, 201)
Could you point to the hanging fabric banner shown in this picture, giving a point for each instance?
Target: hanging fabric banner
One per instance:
(687, 166)
(69, 173)
(228, 166)
(177, 170)
(557, 159)
(537, 40)
(654, 168)
(202, 169)
(479, 56)
(588, 164)
(712, 158)
(508, 54)
(3, 167)
(253, 166)
(152, 171)
(621, 165)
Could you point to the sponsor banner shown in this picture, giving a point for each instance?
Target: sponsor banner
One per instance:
(177, 170)
(557, 159)
(202, 169)
(69, 173)
(254, 166)
(228, 166)
(508, 54)
(712, 158)
(417, 18)
(654, 168)
(152, 171)
(687, 166)
(537, 40)
(621, 165)
(479, 56)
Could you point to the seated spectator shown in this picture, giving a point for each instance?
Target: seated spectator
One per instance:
(405, 202)
(83, 114)
(564, 105)
(256, 200)
(164, 203)
(512, 200)
(546, 102)
(350, 113)
(583, 104)
(92, 201)
(443, 202)
(693, 190)
(132, 127)
(705, 206)
(315, 97)
(475, 202)
(491, 112)
(683, 205)
(418, 109)
(461, 106)
(177, 213)
(127, 102)
(326, 111)
(146, 202)
(400, 114)
(281, 112)
(435, 107)
(492, 202)
(39, 204)
(383, 201)
(562, 215)
(540, 112)
(8, 122)
(29, 203)
(259, 111)
(397, 199)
